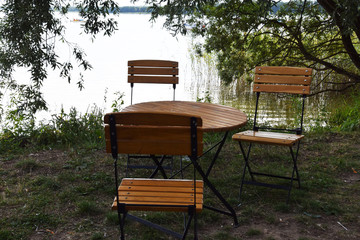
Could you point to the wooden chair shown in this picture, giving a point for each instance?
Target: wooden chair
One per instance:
(155, 134)
(288, 80)
(152, 72)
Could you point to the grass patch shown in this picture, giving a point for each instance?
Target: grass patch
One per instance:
(253, 232)
(69, 190)
(27, 165)
(88, 208)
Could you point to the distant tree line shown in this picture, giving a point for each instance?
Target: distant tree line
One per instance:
(127, 9)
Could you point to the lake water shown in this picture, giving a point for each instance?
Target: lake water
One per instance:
(137, 38)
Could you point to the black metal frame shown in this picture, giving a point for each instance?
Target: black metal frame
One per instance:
(121, 207)
(294, 155)
(205, 176)
(132, 88)
(156, 166)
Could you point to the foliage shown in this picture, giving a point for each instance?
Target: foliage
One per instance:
(64, 129)
(29, 31)
(347, 116)
(322, 34)
(206, 98)
(118, 102)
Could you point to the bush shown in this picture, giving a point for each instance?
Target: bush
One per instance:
(347, 116)
(63, 129)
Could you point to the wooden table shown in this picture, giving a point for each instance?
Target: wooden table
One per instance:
(216, 118)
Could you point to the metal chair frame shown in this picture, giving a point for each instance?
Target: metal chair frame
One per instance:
(152, 77)
(294, 155)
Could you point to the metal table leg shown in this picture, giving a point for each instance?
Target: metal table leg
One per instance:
(231, 212)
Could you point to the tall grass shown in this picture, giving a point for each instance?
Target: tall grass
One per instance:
(63, 129)
(346, 117)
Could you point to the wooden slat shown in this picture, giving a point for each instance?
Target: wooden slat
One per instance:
(282, 79)
(148, 192)
(160, 182)
(153, 79)
(293, 80)
(155, 148)
(153, 117)
(272, 138)
(154, 71)
(163, 209)
(150, 133)
(162, 191)
(293, 89)
(155, 197)
(283, 70)
(153, 63)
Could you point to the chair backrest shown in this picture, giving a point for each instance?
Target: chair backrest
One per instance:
(275, 79)
(153, 133)
(293, 80)
(153, 71)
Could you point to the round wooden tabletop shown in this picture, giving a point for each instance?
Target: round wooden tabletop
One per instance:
(215, 117)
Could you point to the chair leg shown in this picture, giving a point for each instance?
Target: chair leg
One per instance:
(295, 164)
(121, 211)
(246, 166)
(294, 176)
(294, 171)
(188, 225)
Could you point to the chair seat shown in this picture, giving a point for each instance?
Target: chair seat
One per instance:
(143, 194)
(273, 138)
